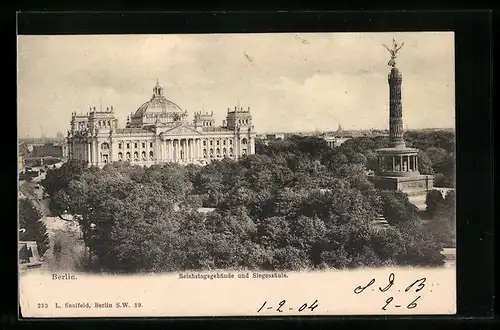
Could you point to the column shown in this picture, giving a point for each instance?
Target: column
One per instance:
(88, 152)
(184, 150)
(393, 163)
(157, 151)
(176, 149)
(170, 150)
(94, 152)
(179, 148)
(167, 150)
(200, 148)
(110, 156)
(190, 147)
(416, 163)
(195, 147)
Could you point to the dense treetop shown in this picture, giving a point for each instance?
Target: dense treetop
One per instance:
(294, 204)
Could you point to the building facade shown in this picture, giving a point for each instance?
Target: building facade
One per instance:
(159, 132)
(398, 165)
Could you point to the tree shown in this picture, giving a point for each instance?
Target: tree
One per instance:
(424, 163)
(421, 247)
(434, 201)
(442, 224)
(59, 178)
(397, 209)
(436, 155)
(298, 204)
(35, 230)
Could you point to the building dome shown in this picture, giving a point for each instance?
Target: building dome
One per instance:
(158, 104)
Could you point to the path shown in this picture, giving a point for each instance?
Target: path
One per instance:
(72, 249)
(66, 233)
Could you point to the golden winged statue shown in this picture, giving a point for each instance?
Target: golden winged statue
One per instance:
(393, 51)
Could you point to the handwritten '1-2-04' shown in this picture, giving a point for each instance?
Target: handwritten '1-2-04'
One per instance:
(281, 307)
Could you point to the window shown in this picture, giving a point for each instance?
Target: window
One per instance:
(128, 145)
(143, 145)
(104, 146)
(230, 152)
(120, 156)
(135, 145)
(211, 153)
(143, 155)
(211, 142)
(218, 142)
(120, 146)
(204, 153)
(224, 151)
(230, 142)
(224, 142)
(218, 152)
(136, 156)
(150, 155)
(128, 156)
(151, 144)
(204, 143)
(244, 141)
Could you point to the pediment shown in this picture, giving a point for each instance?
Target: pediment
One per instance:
(181, 130)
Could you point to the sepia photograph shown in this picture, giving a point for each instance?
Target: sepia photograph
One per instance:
(269, 174)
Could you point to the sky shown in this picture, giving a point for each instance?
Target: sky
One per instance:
(291, 81)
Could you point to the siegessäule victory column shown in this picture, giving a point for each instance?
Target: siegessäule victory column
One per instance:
(398, 165)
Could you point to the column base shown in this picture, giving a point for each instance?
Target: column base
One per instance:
(413, 186)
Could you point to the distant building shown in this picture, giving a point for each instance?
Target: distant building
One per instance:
(159, 132)
(46, 150)
(334, 141)
(275, 136)
(268, 137)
